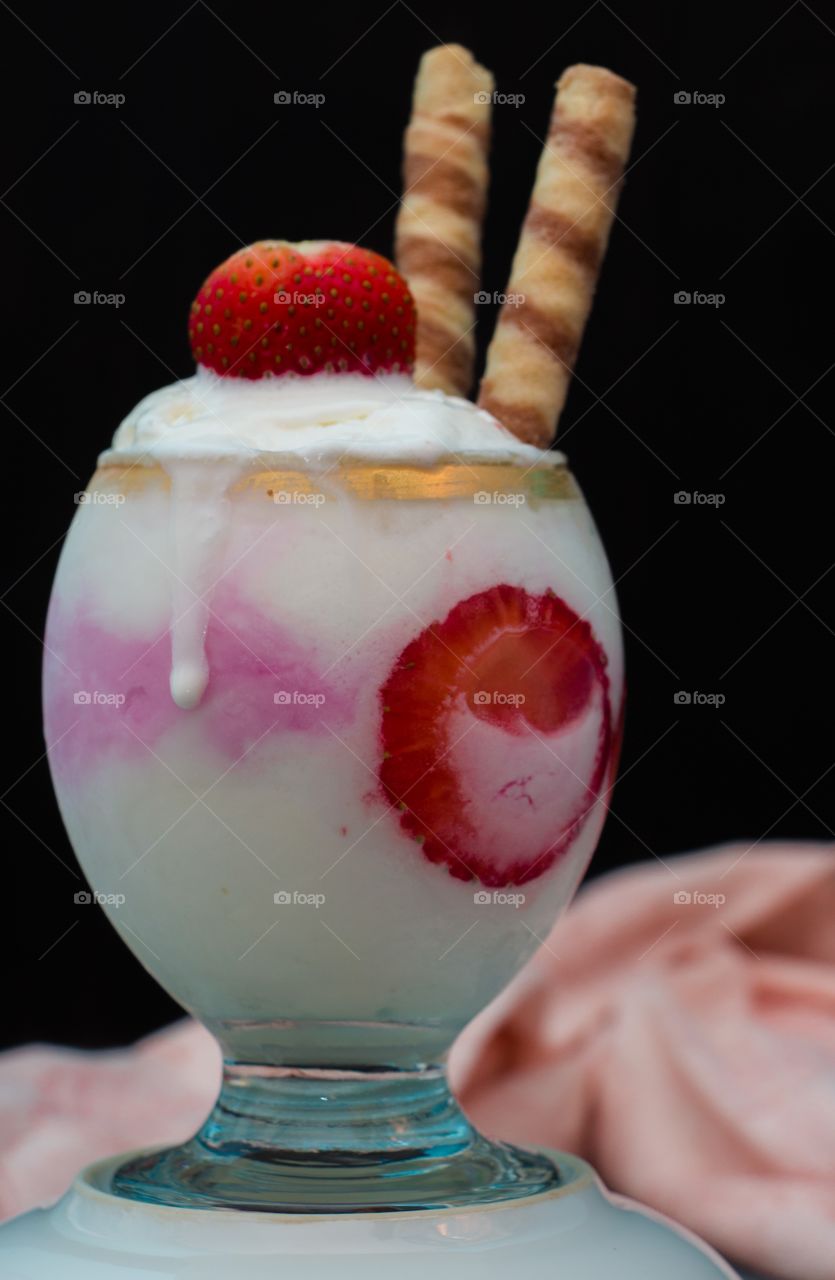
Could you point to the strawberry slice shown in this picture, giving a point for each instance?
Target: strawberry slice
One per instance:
(497, 735)
(320, 306)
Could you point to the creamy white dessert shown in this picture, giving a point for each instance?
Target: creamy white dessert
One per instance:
(234, 603)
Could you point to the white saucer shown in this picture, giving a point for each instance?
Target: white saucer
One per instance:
(578, 1231)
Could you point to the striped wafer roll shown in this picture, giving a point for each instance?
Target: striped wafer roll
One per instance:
(560, 251)
(438, 233)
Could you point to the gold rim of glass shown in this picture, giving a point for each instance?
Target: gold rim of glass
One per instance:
(368, 480)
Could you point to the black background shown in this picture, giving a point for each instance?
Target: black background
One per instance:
(733, 399)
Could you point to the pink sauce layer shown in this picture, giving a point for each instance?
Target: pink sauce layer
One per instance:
(107, 695)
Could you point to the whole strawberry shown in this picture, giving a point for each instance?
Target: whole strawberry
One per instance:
(318, 306)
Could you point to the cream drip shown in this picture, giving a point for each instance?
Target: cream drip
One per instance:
(198, 535)
(206, 430)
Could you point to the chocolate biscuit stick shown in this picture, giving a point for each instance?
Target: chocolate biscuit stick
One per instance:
(438, 232)
(560, 251)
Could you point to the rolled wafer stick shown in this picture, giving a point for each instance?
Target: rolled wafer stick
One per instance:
(438, 232)
(561, 248)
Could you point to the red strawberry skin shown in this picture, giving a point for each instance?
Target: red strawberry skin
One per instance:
(497, 736)
(321, 306)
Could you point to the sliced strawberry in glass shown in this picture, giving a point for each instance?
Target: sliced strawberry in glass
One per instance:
(496, 734)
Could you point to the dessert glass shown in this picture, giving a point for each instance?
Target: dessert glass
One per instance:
(333, 748)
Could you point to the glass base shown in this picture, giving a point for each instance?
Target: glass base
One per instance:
(304, 1140)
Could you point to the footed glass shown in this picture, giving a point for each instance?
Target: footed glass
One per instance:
(334, 749)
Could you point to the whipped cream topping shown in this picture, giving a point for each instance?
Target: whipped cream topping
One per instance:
(315, 419)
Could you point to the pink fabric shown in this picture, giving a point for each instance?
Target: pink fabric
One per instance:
(686, 1049)
(61, 1109)
(684, 1045)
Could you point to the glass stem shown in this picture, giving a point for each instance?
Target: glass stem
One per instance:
(330, 1140)
(326, 1116)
